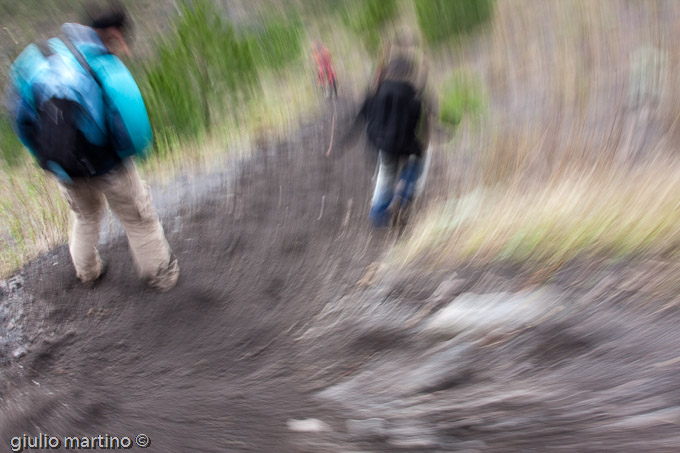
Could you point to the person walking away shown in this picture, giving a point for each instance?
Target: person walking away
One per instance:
(398, 119)
(397, 114)
(324, 69)
(80, 113)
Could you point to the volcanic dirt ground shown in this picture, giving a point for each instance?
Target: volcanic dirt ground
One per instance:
(280, 315)
(259, 256)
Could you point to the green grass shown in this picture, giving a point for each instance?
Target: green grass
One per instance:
(440, 20)
(33, 215)
(202, 72)
(368, 18)
(12, 151)
(205, 71)
(277, 44)
(461, 95)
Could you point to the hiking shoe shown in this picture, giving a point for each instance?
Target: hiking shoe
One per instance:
(166, 278)
(103, 267)
(381, 220)
(380, 216)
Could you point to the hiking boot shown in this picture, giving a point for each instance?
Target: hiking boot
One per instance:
(402, 214)
(103, 267)
(380, 218)
(166, 278)
(381, 214)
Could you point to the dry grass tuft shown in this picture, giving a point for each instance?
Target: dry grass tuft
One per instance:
(579, 155)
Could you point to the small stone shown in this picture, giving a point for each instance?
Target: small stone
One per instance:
(177, 226)
(412, 436)
(471, 446)
(368, 428)
(447, 290)
(15, 284)
(19, 352)
(307, 425)
(371, 274)
(445, 369)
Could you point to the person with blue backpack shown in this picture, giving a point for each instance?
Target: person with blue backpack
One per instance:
(78, 110)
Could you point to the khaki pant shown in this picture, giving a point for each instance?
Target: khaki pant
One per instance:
(129, 199)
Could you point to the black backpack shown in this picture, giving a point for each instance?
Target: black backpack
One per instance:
(58, 138)
(392, 118)
(59, 141)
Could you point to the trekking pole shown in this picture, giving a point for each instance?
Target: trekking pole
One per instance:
(330, 145)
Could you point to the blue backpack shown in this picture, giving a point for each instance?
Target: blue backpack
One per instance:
(79, 111)
(60, 143)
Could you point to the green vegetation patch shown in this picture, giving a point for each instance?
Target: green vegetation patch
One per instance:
(278, 43)
(440, 20)
(11, 150)
(205, 71)
(202, 70)
(462, 95)
(366, 18)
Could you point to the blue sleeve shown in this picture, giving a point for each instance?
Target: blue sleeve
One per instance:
(19, 98)
(26, 120)
(22, 116)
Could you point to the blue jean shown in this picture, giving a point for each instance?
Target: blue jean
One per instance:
(387, 182)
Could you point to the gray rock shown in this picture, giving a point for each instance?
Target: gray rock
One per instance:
(410, 435)
(444, 369)
(14, 284)
(503, 311)
(368, 428)
(307, 425)
(19, 352)
(448, 289)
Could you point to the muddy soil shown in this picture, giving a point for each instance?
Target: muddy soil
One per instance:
(282, 314)
(203, 367)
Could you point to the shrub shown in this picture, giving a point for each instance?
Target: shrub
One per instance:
(441, 19)
(202, 68)
(278, 43)
(462, 95)
(367, 17)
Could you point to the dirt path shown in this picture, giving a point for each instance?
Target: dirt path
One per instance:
(205, 366)
(276, 317)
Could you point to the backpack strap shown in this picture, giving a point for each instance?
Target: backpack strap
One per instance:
(44, 48)
(79, 56)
